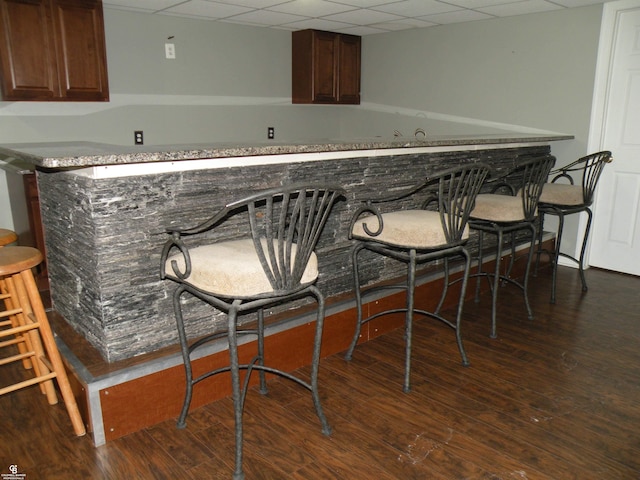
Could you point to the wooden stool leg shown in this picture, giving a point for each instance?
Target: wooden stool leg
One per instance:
(52, 350)
(9, 304)
(33, 339)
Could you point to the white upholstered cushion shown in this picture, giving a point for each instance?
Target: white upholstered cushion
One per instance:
(498, 208)
(562, 194)
(232, 269)
(406, 228)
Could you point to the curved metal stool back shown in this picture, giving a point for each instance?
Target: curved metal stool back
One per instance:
(500, 214)
(562, 197)
(271, 262)
(403, 228)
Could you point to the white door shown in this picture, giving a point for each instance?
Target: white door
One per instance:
(615, 240)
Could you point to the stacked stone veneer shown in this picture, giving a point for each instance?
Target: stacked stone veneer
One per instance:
(104, 236)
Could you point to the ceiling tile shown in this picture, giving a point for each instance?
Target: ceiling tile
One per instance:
(480, 3)
(201, 8)
(266, 17)
(252, 3)
(318, 24)
(363, 16)
(416, 8)
(458, 16)
(520, 8)
(364, 3)
(311, 9)
(148, 5)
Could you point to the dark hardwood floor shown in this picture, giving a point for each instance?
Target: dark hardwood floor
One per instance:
(553, 398)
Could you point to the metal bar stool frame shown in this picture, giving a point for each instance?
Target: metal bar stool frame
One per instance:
(455, 191)
(525, 181)
(296, 224)
(591, 167)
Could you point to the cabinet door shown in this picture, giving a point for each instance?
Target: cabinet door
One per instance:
(27, 50)
(325, 73)
(349, 70)
(82, 64)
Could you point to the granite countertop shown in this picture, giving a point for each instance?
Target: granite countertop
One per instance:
(88, 154)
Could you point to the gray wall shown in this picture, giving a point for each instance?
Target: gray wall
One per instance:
(229, 82)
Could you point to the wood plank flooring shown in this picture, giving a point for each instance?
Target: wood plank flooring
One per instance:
(553, 398)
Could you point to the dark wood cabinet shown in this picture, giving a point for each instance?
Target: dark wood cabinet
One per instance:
(326, 67)
(53, 50)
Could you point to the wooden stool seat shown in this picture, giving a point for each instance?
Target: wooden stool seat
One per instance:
(7, 237)
(16, 259)
(24, 324)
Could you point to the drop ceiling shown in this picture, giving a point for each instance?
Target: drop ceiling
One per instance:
(358, 17)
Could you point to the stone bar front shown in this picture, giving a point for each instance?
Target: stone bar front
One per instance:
(105, 218)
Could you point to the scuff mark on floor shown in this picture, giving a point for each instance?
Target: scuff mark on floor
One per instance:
(422, 447)
(568, 362)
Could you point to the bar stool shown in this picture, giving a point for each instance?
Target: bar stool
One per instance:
(507, 213)
(401, 227)
(7, 237)
(267, 257)
(32, 329)
(561, 197)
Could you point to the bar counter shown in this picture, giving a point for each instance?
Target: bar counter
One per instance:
(106, 208)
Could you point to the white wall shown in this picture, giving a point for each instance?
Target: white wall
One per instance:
(533, 70)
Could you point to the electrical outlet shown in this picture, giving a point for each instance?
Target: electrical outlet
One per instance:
(138, 137)
(271, 133)
(169, 50)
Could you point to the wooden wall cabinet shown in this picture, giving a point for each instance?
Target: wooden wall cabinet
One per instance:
(326, 67)
(53, 50)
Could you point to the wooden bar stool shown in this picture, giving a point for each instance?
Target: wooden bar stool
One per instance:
(32, 330)
(7, 237)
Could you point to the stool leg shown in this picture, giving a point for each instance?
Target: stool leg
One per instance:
(525, 285)
(54, 355)
(237, 394)
(496, 285)
(556, 256)
(463, 293)
(315, 361)
(9, 303)
(184, 347)
(261, 373)
(356, 280)
(33, 337)
(480, 259)
(583, 250)
(408, 322)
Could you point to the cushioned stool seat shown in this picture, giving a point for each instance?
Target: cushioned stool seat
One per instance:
(498, 208)
(233, 269)
(421, 229)
(561, 194)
